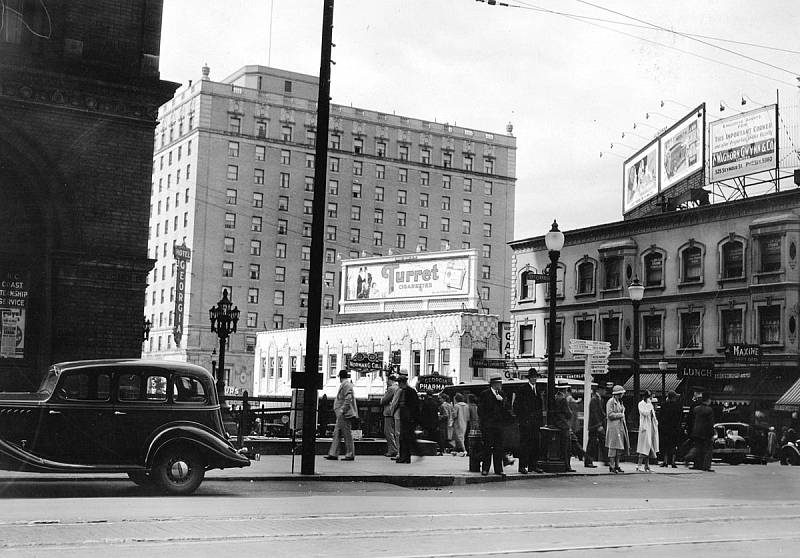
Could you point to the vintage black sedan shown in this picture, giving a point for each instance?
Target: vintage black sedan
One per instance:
(157, 421)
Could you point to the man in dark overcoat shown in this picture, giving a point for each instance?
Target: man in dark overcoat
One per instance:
(493, 413)
(597, 428)
(669, 425)
(528, 410)
(561, 417)
(703, 433)
(408, 413)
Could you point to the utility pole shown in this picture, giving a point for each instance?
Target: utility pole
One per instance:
(311, 380)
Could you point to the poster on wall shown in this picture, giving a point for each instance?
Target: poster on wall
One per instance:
(682, 148)
(744, 144)
(640, 176)
(13, 307)
(396, 278)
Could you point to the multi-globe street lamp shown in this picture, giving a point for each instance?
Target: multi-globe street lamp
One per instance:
(554, 241)
(224, 317)
(636, 292)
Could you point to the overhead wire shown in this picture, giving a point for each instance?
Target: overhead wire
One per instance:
(690, 53)
(680, 34)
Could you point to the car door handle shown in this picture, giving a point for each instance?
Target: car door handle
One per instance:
(119, 413)
(52, 412)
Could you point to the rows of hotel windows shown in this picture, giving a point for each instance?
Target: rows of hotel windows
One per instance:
(381, 146)
(768, 258)
(273, 366)
(731, 327)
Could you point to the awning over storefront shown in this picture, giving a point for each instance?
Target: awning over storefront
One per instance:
(652, 383)
(789, 401)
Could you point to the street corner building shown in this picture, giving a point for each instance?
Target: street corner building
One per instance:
(719, 310)
(443, 349)
(79, 91)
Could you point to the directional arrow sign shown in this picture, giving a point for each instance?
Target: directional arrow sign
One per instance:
(598, 359)
(579, 347)
(599, 369)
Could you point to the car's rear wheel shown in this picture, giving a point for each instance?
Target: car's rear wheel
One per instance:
(141, 478)
(178, 470)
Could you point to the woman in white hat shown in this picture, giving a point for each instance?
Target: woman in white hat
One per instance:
(616, 429)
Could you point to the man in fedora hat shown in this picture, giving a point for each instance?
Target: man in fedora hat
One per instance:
(528, 410)
(389, 430)
(344, 406)
(493, 412)
(405, 408)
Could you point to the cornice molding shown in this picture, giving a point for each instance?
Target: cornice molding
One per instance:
(63, 91)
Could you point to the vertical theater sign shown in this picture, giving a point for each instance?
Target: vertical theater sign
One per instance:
(182, 256)
(13, 304)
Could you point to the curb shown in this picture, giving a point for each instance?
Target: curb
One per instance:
(408, 481)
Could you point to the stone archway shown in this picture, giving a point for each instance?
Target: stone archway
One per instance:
(31, 225)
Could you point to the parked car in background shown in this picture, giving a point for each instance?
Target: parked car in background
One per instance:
(790, 453)
(157, 421)
(737, 442)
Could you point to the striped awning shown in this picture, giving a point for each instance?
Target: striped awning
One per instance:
(789, 401)
(652, 382)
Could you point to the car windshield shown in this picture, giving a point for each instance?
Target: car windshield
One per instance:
(48, 382)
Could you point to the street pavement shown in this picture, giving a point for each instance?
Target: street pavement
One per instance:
(445, 470)
(746, 510)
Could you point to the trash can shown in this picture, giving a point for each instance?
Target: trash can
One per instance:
(551, 450)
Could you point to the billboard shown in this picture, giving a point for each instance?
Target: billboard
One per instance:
(744, 144)
(640, 176)
(682, 149)
(405, 282)
(399, 278)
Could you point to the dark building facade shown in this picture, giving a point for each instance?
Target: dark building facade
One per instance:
(79, 93)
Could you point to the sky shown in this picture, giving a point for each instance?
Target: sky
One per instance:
(571, 83)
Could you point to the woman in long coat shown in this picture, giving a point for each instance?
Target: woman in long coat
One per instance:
(616, 429)
(647, 444)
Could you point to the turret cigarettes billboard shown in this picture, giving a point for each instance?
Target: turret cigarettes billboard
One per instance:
(419, 276)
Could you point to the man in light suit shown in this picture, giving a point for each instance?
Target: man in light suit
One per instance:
(389, 428)
(344, 406)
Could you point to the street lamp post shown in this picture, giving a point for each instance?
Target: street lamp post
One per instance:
(663, 365)
(146, 325)
(554, 241)
(636, 292)
(224, 317)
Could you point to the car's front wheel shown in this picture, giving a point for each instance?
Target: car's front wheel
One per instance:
(178, 470)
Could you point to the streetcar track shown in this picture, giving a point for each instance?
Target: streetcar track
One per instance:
(417, 532)
(595, 547)
(396, 515)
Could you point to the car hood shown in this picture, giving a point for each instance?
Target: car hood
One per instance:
(16, 398)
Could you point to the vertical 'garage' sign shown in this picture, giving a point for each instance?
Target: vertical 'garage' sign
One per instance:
(182, 256)
(13, 302)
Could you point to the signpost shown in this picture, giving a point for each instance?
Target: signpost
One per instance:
(596, 355)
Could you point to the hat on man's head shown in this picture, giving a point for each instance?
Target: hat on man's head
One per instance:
(495, 378)
(609, 385)
(344, 373)
(532, 373)
(393, 376)
(618, 390)
(402, 376)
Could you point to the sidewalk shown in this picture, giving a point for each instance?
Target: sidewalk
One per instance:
(431, 471)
